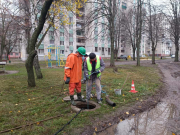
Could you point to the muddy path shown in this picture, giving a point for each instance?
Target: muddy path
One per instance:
(157, 115)
(171, 71)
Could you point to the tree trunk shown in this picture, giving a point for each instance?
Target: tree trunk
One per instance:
(134, 50)
(1, 52)
(37, 68)
(0, 58)
(177, 52)
(112, 51)
(29, 68)
(33, 41)
(153, 56)
(138, 59)
(112, 44)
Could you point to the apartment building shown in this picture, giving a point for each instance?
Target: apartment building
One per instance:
(98, 39)
(69, 37)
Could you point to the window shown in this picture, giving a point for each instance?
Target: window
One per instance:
(70, 35)
(17, 54)
(71, 43)
(102, 50)
(95, 32)
(61, 42)
(109, 51)
(51, 41)
(41, 51)
(70, 26)
(70, 19)
(78, 26)
(95, 40)
(61, 51)
(122, 51)
(124, 6)
(61, 34)
(96, 49)
(61, 27)
(52, 51)
(71, 51)
(51, 33)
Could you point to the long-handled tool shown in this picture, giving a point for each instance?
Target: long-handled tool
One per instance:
(95, 72)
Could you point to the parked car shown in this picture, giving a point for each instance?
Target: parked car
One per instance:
(173, 56)
(143, 57)
(123, 57)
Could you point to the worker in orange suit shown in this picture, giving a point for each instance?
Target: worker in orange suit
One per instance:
(73, 73)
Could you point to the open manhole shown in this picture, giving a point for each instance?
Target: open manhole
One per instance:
(84, 105)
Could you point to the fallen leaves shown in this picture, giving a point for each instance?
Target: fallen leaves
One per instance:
(127, 113)
(95, 129)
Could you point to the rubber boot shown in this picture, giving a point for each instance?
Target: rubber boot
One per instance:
(80, 98)
(72, 100)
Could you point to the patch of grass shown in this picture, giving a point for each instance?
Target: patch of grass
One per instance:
(21, 105)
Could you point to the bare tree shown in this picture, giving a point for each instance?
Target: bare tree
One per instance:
(174, 21)
(12, 38)
(118, 30)
(8, 17)
(139, 22)
(129, 25)
(106, 9)
(154, 27)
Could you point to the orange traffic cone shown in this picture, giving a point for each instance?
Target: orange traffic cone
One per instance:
(133, 88)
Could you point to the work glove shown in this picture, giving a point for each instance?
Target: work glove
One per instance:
(67, 80)
(97, 72)
(87, 76)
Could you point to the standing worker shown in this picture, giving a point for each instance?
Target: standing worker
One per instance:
(73, 73)
(94, 64)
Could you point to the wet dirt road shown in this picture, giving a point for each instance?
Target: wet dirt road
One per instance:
(164, 119)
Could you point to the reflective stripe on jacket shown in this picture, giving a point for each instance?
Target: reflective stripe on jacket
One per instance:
(89, 65)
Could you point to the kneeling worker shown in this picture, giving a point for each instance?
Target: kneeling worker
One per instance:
(93, 67)
(73, 73)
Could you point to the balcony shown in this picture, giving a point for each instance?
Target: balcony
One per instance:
(80, 19)
(81, 36)
(80, 44)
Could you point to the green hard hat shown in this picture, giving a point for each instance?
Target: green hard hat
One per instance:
(82, 50)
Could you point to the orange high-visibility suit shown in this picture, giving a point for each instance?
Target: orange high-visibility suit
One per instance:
(73, 69)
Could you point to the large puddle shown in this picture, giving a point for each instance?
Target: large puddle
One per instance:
(153, 122)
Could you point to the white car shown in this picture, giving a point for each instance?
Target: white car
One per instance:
(173, 56)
